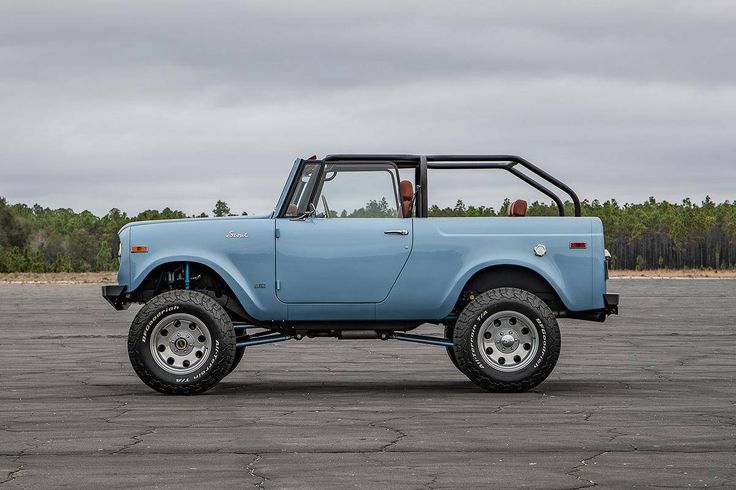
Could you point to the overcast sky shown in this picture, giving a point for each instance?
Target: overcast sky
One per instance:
(179, 103)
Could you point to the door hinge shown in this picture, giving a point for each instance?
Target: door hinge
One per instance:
(278, 233)
(278, 285)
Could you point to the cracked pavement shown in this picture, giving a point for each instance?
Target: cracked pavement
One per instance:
(647, 398)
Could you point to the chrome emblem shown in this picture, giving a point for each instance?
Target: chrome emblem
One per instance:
(540, 250)
(234, 234)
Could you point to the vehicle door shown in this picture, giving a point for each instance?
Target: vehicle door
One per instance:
(341, 239)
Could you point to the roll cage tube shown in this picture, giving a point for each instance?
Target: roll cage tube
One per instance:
(421, 163)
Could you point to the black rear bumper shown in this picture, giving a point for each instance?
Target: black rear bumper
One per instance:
(114, 295)
(611, 302)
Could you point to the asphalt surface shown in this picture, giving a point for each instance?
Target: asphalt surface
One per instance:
(647, 398)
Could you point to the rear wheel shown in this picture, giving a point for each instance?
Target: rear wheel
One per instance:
(238, 357)
(506, 339)
(181, 342)
(449, 331)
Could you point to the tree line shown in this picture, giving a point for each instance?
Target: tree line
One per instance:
(38, 239)
(649, 235)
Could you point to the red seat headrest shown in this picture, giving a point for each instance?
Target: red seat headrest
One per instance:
(406, 189)
(518, 208)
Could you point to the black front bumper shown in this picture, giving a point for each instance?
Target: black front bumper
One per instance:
(114, 295)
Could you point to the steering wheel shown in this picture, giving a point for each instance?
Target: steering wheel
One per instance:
(327, 208)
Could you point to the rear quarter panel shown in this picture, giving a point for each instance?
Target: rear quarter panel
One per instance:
(448, 251)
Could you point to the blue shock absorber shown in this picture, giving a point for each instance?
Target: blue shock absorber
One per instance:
(186, 275)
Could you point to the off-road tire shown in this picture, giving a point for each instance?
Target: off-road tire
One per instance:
(214, 318)
(239, 351)
(449, 331)
(474, 364)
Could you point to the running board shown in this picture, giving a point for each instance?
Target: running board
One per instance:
(242, 327)
(277, 337)
(267, 339)
(423, 339)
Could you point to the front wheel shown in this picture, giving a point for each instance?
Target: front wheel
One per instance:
(181, 342)
(506, 340)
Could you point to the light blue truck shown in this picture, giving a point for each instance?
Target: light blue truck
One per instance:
(351, 252)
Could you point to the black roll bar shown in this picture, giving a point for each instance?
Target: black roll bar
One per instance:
(541, 188)
(504, 162)
(513, 161)
(423, 196)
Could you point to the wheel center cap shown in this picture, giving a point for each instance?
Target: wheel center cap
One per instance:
(182, 343)
(507, 340)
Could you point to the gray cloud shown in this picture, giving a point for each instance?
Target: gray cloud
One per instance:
(179, 103)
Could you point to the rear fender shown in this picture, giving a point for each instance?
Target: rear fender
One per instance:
(552, 277)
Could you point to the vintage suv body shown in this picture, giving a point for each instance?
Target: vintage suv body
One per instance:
(349, 252)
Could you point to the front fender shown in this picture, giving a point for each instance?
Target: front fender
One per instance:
(239, 249)
(236, 281)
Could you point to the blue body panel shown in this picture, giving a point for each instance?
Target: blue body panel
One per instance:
(241, 261)
(322, 260)
(448, 251)
(348, 269)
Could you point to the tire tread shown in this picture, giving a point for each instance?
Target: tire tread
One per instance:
(222, 321)
(462, 340)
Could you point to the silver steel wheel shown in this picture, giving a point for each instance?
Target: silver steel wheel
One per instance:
(508, 341)
(180, 343)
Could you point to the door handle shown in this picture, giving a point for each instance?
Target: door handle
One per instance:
(396, 232)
